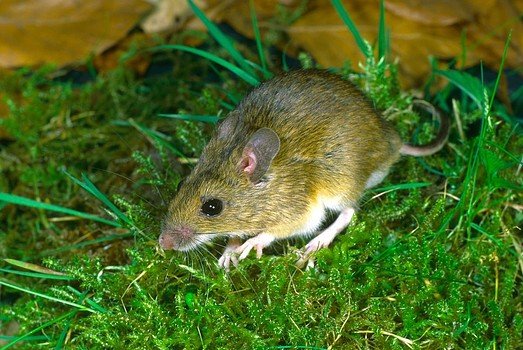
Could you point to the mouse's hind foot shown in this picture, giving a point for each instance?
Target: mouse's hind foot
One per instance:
(325, 238)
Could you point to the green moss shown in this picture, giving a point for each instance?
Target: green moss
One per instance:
(435, 266)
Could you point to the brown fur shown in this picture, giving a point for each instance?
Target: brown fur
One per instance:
(332, 140)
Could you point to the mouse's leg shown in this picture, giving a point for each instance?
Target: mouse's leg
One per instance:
(229, 254)
(327, 236)
(259, 242)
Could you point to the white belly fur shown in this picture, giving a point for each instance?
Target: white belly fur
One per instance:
(317, 214)
(317, 211)
(375, 178)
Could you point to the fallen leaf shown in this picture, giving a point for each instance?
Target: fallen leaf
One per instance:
(214, 11)
(34, 267)
(112, 58)
(413, 43)
(62, 31)
(238, 14)
(170, 15)
(323, 34)
(489, 33)
(434, 12)
(416, 33)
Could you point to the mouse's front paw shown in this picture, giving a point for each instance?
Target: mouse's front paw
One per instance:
(227, 257)
(259, 242)
(229, 254)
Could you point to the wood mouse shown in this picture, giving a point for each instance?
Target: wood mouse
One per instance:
(297, 146)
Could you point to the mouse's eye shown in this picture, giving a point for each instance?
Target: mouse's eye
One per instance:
(212, 207)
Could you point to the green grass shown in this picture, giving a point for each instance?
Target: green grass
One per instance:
(432, 259)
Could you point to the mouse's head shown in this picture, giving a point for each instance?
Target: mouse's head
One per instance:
(227, 192)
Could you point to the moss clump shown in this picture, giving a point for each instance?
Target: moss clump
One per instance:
(431, 266)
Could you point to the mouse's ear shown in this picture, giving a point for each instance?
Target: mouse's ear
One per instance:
(258, 153)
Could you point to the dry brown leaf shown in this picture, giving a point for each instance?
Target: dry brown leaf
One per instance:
(111, 58)
(481, 7)
(418, 30)
(62, 31)
(434, 12)
(413, 43)
(68, 31)
(170, 15)
(238, 15)
(214, 11)
(323, 34)
(489, 33)
(174, 15)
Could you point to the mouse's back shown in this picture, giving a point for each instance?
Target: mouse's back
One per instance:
(322, 118)
(296, 145)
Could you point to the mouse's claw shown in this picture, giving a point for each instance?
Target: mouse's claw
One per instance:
(305, 259)
(244, 250)
(325, 238)
(258, 242)
(229, 254)
(305, 255)
(225, 260)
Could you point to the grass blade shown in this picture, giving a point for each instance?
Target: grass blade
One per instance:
(383, 38)
(257, 37)
(211, 119)
(87, 185)
(83, 297)
(218, 35)
(153, 136)
(45, 296)
(13, 199)
(231, 96)
(33, 267)
(500, 70)
(42, 326)
(466, 83)
(60, 343)
(102, 239)
(406, 186)
(37, 275)
(362, 45)
(213, 58)
(486, 234)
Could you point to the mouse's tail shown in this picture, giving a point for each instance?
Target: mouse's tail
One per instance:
(440, 139)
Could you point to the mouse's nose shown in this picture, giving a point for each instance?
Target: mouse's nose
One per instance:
(176, 238)
(166, 240)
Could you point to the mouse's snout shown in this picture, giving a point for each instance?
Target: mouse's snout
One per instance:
(177, 238)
